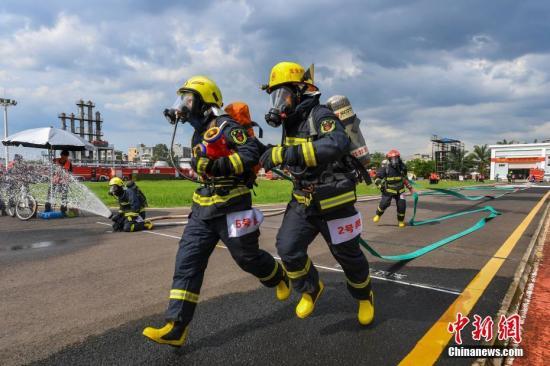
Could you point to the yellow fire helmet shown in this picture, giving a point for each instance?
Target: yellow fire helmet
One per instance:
(206, 88)
(116, 181)
(290, 72)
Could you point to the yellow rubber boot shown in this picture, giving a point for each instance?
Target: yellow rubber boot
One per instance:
(283, 288)
(172, 334)
(402, 224)
(376, 218)
(307, 304)
(365, 315)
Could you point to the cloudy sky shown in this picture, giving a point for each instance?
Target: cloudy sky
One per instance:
(472, 70)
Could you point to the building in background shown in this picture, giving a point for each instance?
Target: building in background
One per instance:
(520, 159)
(423, 157)
(140, 154)
(144, 154)
(133, 155)
(183, 153)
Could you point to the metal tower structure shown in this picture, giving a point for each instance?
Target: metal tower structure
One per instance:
(441, 150)
(87, 125)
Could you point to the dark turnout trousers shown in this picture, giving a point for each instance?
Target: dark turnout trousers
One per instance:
(341, 230)
(197, 243)
(385, 202)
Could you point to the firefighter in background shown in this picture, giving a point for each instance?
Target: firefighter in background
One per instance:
(314, 147)
(392, 181)
(222, 207)
(131, 185)
(131, 216)
(60, 181)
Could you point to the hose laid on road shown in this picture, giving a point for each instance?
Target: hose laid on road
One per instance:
(492, 213)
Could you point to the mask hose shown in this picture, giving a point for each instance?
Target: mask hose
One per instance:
(171, 154)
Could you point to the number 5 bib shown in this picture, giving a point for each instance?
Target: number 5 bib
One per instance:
(244, 222)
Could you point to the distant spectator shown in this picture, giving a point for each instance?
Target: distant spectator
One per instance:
(60, 183)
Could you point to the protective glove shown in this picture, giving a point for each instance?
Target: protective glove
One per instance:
(272, 157)
(118, 222)
(201, 165)
(277, 155)
(221, 167)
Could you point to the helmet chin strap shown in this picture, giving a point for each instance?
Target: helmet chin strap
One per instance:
(216, 111)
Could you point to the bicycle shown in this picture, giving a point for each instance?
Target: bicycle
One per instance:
(23, 205)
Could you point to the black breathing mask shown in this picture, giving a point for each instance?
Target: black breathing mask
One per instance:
(115, 190)
(186, 106)
(283, 104)
(394, 162)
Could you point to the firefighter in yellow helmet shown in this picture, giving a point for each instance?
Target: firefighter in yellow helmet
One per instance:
(314, 150)
(222, 207)
(132, 202)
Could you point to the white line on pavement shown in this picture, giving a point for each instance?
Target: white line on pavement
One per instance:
(406, 283)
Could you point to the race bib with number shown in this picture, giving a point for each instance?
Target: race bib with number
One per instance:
(244, 222)
(342, 230)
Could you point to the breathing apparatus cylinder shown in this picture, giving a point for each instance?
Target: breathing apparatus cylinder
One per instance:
(341, 106)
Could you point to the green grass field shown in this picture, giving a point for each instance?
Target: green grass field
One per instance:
(176, 193)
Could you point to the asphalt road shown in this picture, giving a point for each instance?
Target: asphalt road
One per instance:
(73, 293)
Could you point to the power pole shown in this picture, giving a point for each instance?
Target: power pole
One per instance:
(6, 103)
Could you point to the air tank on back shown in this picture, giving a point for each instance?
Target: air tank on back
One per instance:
(341, 106)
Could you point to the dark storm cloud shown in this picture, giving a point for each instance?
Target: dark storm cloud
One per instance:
(397, 33)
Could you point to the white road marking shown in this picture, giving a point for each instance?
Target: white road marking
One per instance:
(406, 283)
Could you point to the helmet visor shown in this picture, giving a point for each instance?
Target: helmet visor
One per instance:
(187, 100)
(282, 99)
(115, 190)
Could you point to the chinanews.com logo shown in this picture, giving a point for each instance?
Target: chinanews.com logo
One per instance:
(508, 330)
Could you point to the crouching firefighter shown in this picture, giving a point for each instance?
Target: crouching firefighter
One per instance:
(224, 158)
(132, 202)
(392, 181)
(314, 149)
